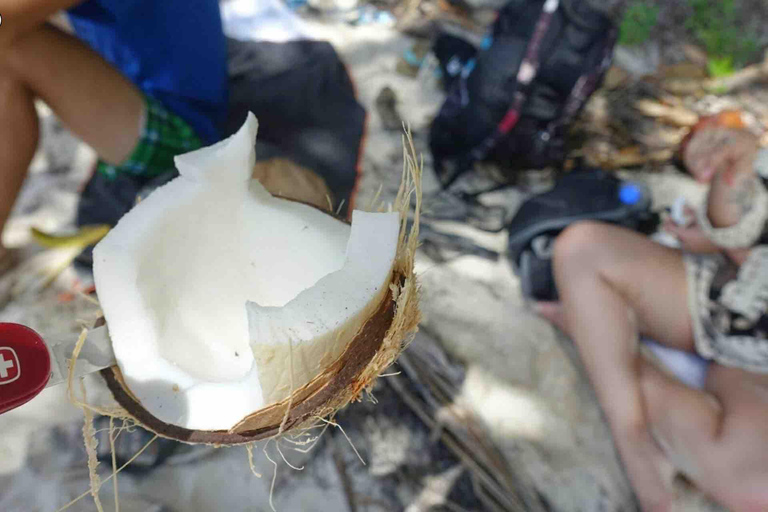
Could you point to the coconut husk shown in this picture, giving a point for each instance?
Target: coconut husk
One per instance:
(301, 407)
(379, 341)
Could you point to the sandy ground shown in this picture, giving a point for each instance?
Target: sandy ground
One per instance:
(521, 375)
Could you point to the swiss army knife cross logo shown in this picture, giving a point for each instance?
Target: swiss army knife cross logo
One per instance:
(9, 366)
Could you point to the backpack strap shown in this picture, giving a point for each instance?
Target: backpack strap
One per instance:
(529, 68)
(584, 87)
(527, 72)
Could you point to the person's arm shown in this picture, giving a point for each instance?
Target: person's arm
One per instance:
(728, 202)
(692, 239)
(725, 158)
(22, 16)
(735, 189)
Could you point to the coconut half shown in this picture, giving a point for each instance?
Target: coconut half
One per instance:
(236, 315)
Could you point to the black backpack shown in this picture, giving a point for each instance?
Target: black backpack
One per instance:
(512, 102)
(583, 194)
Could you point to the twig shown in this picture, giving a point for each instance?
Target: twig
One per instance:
(504, 497)
(437, 380)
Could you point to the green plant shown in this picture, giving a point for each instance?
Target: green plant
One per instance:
(638, 23)
(716, 24)
(720, 66)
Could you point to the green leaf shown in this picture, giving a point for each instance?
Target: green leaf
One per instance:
(720, 66)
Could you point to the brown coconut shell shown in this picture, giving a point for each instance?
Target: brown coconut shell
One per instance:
(339, 384)
(373, 348)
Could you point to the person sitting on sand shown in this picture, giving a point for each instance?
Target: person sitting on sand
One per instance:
(140, 81)
(710, 298)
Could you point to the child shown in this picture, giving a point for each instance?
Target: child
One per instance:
(709, 298)
(140, 81)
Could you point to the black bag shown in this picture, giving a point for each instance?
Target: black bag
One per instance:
(584, 194)
(305, 101)
(512, 103)
(307, 109)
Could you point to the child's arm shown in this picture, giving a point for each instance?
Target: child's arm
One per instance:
(726, 159)
(728, 202)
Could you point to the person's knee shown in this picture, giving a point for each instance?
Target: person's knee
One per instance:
(578, 244)
(15, 57)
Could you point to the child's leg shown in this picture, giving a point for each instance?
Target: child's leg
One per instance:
(612, 283)
(91, 97)
(722, 448)
(19, 133)
(683, 420)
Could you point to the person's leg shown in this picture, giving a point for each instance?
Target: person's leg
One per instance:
(719, 438)
(612, 284)
(683, 420)
(553, 313)
(19, 133)
(91, 98)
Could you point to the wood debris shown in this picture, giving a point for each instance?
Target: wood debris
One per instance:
(675, 115)
(429, 386)
(740, 79)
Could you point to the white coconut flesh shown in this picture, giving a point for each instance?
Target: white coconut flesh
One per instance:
(221, 299)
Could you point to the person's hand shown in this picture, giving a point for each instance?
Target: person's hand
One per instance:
(691, 237)
(718, 149)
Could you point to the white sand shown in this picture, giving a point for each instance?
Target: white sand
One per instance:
(521, 379)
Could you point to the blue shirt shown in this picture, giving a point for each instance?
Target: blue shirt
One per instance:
(173, 50)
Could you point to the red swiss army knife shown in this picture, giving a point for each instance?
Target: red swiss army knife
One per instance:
(28, 365)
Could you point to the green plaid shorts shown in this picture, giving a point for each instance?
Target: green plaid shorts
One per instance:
(164, 136)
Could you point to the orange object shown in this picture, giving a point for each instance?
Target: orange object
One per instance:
(725, 119)
(731, 119)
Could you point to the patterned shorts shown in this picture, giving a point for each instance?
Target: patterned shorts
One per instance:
(164, 136)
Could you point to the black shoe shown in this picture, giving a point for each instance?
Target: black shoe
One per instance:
(105, 201)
